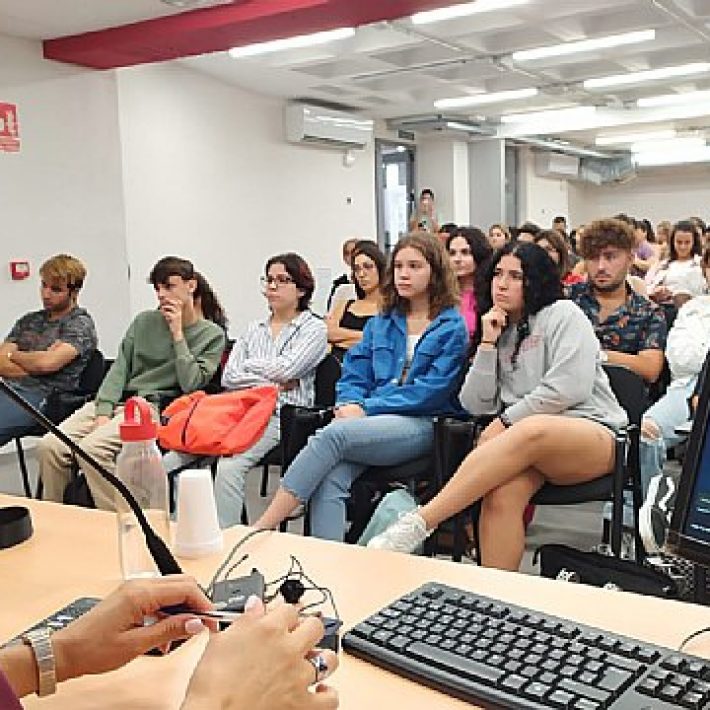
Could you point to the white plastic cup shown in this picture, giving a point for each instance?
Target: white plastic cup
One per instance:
(198, 533)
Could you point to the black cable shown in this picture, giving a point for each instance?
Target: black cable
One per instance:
(695, 634)
(229, 557)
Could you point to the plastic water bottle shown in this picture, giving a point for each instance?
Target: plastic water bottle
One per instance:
(140, 467)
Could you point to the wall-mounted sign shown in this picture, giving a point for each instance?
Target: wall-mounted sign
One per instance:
(9, 129)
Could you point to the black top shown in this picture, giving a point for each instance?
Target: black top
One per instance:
(352, 322)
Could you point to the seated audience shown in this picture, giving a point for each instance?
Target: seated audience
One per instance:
(556, 247)
(342, 287)
(274, 651)
(425, 219)
(348, 319)
(47, 350)
(498, 236)
(401, 375)
(468, 249)
(527, 232)
(679, 277)
(663, 238)
(645, 256)
(559, 224)
(283, 349)
(631, 329)
(687, 349)
(164, 353)
(538, 370)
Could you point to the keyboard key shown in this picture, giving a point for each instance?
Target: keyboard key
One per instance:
(649, 686)
(589, 692)
(536, 691)
(671, 692)
(673, 663)
(647, 655)
(615, 680)
(692, 700)
(464, 666)
(513, 683)
(561, 699)
(364, 630)
(587, 704)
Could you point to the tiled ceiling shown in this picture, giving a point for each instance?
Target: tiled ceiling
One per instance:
(394, 68)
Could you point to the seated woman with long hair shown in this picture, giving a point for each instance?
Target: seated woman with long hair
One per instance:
(348, 319)
(468, 249)
(401, 375)
(538, 368)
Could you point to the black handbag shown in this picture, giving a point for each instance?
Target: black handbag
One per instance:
(567, 564)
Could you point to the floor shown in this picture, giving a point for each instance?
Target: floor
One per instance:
(578, 526)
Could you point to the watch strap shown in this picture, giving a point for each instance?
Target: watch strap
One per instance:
(40, 641)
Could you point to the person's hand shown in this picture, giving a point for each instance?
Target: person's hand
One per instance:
(661, 294)
(261, 662)
(113, 632)
(650, 430)
(349, 411)
(492, 324)
(495, 428)
(694, 403)
(172, 312)
(100, 421)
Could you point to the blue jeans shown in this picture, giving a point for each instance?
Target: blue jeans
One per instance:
(668, 412)
(230, 482)
(14, 421)
(337, 454)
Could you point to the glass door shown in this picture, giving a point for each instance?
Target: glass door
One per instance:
(394, 182)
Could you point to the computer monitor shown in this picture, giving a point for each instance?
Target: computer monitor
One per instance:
(689, 532)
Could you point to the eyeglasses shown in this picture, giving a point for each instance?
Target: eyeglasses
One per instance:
(362, 268)
(278, 281)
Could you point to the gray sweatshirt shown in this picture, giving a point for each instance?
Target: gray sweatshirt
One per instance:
(558, 371)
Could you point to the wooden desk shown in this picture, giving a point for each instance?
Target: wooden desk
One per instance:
(74, 553)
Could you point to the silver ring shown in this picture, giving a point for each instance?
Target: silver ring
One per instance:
(320, 666)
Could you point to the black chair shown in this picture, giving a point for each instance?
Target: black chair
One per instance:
(326, 376)
(59, 406)
(457, 440)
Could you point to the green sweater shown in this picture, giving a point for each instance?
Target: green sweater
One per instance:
(150, 362)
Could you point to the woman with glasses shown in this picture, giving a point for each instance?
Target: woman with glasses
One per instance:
(538, 371)
(283, 348)
(403, 373)
(348, 319)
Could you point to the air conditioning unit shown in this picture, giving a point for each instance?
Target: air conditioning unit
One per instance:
(556, 165)
(312, 124)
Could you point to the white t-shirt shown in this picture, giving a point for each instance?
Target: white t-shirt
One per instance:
(679, 277)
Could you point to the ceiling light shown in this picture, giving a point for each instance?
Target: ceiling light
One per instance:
(585, 45)
(647, 75)
(673, 99)
(621, 138)
(463, 10)
(653, 158)
(687, 143)
(575, 112)
(297, 42)
(481, 99)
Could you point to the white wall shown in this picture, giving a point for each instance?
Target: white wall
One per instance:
(661, 193)
(63, 191)
(540, 199)
(207, 175)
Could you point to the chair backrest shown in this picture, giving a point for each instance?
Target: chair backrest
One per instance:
(630, 391)
(93, 374)
(327, 376)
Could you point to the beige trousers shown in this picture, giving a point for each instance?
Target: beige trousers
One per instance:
(56, 460)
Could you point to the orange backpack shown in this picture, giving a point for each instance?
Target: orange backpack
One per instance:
(218, 424)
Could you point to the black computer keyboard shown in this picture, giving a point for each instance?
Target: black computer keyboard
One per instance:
(499, 655)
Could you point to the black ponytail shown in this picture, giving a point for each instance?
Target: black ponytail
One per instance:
(209, 303)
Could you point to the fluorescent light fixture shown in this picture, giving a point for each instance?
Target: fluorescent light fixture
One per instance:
(585, 45)
(675, 145)
(463, 10)
(278, 45)
(638, 77)
(673, 99)
(575, 112)
(621, 138)
(667, 157)
(481, 99)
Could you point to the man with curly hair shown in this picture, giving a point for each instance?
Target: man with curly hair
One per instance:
(630, 328)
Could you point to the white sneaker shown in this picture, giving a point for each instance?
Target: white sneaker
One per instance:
(406, 535)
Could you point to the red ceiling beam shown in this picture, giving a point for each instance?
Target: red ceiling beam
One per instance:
(220, 28)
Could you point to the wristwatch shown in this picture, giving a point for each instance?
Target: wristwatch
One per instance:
(505, 420)
(39, 640)
(603, 356)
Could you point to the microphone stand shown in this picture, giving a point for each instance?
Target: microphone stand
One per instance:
(164, 560)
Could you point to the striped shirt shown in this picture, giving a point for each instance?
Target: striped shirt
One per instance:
(257, 358)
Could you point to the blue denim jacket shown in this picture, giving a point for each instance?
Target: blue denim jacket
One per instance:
(373, 368)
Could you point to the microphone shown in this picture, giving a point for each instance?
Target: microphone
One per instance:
(164, 560)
